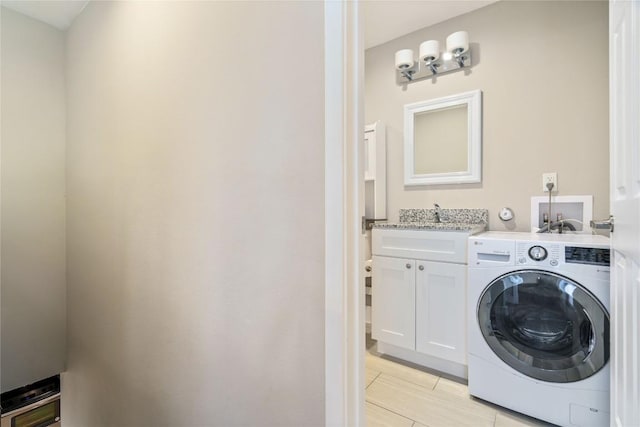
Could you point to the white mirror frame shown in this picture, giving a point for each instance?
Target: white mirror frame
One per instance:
(473, 174)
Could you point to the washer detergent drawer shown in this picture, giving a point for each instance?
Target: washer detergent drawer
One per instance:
(443, 246)
(488, 253)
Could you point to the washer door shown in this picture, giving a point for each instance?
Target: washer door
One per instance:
(545, 326)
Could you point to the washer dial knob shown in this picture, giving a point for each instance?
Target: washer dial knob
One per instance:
(537, 253)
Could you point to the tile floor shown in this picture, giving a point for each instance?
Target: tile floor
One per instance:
(398, 395)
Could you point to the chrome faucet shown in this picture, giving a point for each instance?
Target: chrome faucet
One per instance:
(437, 213)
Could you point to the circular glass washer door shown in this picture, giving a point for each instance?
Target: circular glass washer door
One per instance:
(545, 326)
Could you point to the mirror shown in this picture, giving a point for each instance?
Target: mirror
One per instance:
(443, 140)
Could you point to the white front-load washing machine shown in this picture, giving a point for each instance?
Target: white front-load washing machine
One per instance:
(538, 325)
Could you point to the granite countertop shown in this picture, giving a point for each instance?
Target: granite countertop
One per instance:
(440, 226)
(469, 220)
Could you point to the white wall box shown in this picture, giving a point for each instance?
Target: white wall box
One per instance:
(577, 210)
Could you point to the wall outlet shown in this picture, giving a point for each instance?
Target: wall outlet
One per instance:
(551, 177)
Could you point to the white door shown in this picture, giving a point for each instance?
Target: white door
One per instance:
(440, 310)
(624, 74)
(393, 315)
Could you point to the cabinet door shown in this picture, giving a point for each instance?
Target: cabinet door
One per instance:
(393, 301)
(441, 310)
(375, 171)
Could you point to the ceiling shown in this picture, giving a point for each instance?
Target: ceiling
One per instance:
(384, 20)
(59, 14)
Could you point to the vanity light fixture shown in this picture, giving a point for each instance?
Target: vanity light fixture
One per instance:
(430, 61)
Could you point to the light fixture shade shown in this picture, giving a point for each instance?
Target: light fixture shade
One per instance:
(404, 59)
(429, 50)
(458, 42)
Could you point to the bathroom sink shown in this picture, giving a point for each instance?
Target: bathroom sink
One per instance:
(471, 221)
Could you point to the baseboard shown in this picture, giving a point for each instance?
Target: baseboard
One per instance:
(444, 366)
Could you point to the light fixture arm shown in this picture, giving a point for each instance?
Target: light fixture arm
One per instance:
(407, 73)
(457, 55)
(433, 66)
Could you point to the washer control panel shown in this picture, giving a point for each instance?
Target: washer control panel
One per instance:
(589, 256)
(533, 253)
(538, 253)
(584, 254)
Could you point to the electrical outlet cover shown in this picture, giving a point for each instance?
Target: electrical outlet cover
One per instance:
(551, 177)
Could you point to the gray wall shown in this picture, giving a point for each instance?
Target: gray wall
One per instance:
(195, 215)
(33, 313)
(543, 70)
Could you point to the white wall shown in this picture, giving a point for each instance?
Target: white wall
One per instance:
(195, 215)
(542, 67)
(33, 313)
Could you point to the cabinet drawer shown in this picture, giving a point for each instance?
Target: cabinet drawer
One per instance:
(445, 246)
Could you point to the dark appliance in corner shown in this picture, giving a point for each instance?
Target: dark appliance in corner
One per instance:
(34, 405)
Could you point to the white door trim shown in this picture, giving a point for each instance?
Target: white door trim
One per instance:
(344, 206)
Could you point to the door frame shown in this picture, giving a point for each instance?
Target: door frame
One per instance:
(344, 206)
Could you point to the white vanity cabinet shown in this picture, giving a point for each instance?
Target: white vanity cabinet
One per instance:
(419, 296)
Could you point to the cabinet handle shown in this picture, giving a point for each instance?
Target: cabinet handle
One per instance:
(408, 265)
(421, 267)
